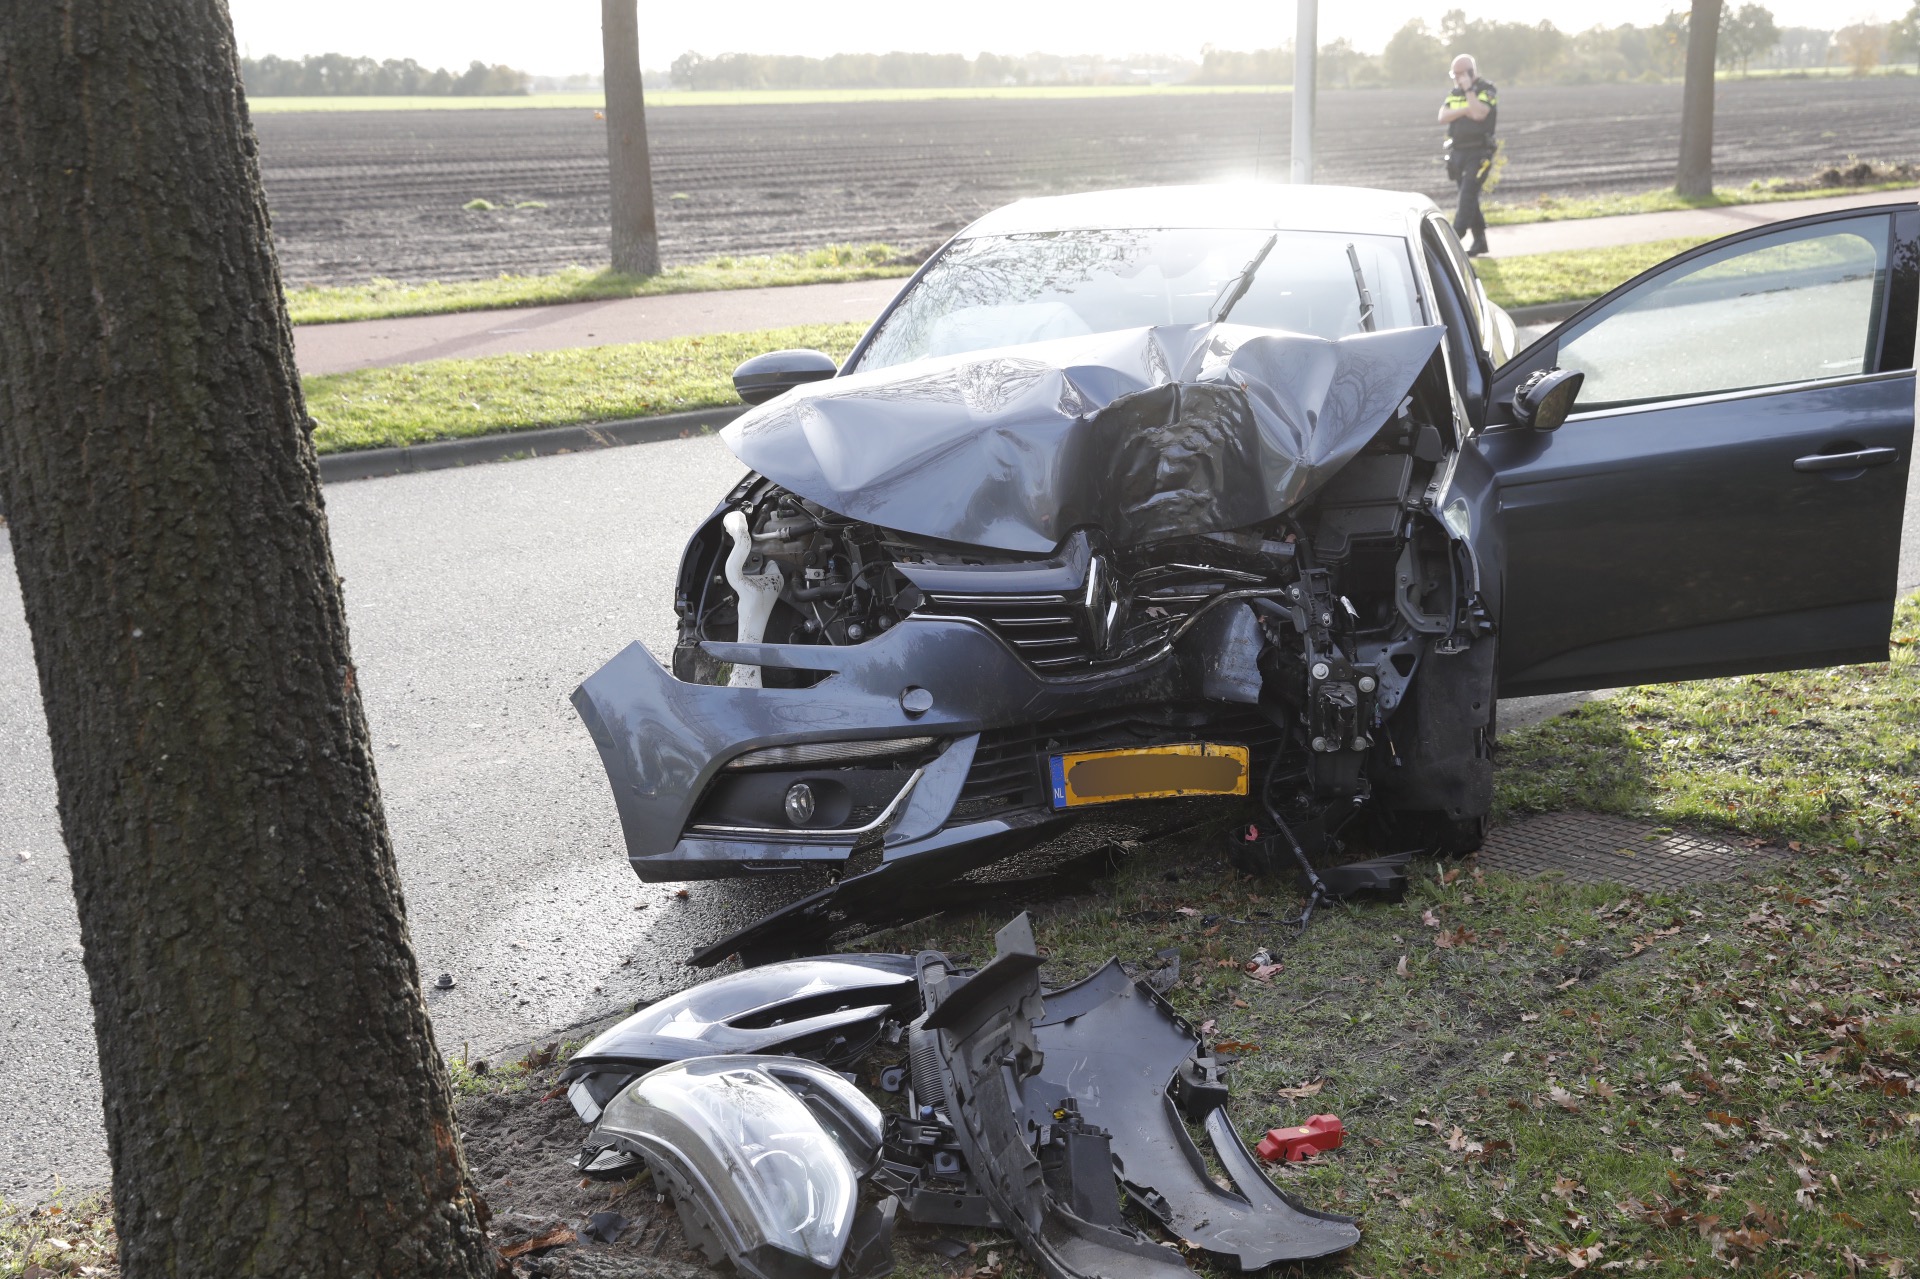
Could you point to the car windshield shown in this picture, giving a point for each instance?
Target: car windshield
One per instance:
(1010, 289)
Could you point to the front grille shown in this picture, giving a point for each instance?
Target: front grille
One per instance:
(1010, 764)
(1050, 632)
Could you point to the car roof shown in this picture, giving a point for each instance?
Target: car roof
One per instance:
(1237, 205)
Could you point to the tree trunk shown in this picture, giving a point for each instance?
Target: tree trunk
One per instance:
(636, 240)
(1695, 177)
(275, 1104)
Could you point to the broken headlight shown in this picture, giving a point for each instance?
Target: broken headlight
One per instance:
(763, 1155)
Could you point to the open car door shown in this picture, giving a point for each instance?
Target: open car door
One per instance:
(1727, 493)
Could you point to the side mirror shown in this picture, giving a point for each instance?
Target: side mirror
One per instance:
(765, 376)
(1544, 399)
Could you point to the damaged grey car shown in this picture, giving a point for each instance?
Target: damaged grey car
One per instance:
(1139, 500)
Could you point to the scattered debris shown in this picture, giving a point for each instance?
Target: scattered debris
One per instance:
(1062, 1089)
(1320, 1133)
(444, 982)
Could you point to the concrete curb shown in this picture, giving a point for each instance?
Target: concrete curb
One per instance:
(367, 464)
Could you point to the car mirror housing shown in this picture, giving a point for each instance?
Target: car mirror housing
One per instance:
(1544, 399)
(765, 376)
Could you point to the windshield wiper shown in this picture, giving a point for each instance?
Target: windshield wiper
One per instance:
(1360, 283)
(1245, 282)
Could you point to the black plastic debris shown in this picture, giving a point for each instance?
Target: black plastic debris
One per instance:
(1039, 1113)
(1382, 879)
(604, 1227)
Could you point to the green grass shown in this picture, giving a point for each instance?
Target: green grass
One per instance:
(669, 99)
(384, 299)
(1538, 278)
(1550, 208)
(1539, 1077)
(66, 1235)
(447, 399)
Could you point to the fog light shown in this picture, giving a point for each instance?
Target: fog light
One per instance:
(799, 803)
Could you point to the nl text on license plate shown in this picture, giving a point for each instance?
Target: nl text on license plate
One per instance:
(1148, 772)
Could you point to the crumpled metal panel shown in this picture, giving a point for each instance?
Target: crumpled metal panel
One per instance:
(1143, 433)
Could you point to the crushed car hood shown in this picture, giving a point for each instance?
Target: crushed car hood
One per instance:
(1144, 434)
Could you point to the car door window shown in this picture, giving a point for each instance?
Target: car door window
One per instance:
(1799, 306)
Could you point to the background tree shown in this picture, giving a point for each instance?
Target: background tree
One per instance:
(636, 236)
(1903, 37)
(275, 1104)
(1413, 57)
(1695, 177)
(1745, 34)
(1863, 45)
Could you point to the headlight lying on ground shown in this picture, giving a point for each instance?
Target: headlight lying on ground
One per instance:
(766, 1152)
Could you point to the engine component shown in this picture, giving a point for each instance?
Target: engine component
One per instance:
(757, 593)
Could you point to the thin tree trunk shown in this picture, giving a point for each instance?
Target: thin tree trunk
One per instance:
(1695, 177)
(636, 240)
(275, 1104)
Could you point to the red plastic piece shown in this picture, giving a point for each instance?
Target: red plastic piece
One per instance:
(1322, 1132)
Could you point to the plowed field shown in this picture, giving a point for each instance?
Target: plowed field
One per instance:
(360, 194)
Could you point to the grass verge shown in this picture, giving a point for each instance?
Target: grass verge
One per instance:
(449, 399)
(1538, 278)
(63, 1236)
(1552, 208)
(383, 299)
(1542, 1077)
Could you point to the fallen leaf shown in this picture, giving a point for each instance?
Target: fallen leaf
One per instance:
(1402, 967)
(1564, 1099)
(1304, 1090)
(1456, 1139)
(1263, 972)
(1567, 1187)
(1428, 918)
(1581, 1258)
(1188, 911)
(1529, 1016)
(1206, 1027)
(681, 893)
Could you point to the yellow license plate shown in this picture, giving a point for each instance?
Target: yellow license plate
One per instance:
(1148, 772)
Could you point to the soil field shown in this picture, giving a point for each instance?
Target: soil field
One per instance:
(357, 194)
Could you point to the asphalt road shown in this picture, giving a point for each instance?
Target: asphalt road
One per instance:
(478, 599)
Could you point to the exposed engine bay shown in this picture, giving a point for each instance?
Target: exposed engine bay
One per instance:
(1194, 589)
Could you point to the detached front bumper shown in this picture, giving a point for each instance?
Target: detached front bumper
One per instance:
(665, 742)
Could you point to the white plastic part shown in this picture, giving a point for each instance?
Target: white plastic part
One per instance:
(757, 593)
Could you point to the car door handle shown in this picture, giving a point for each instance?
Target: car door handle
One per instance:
(1845, 461)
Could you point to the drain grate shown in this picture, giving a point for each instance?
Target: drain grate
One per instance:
(1594, 848)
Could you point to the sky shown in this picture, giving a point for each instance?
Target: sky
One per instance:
(563, 36)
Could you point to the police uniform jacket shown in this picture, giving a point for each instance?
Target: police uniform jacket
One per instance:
(1466, 133)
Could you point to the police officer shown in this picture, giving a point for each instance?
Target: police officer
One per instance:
(1470, 113)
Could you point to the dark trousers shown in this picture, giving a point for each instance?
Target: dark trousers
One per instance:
(1467, 219)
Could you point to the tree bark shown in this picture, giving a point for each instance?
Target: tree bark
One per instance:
(1695, 177)
(636, 239)
(275, 1104)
